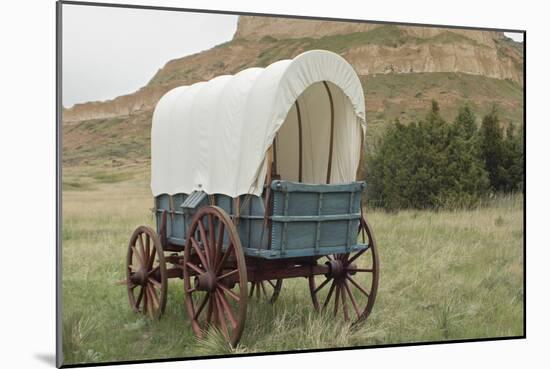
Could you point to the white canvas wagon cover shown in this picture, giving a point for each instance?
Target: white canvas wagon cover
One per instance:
(213, 136)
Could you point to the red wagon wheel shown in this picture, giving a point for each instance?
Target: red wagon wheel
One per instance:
(268, 289)
(214, 275)
(351, 285)
(146, 273)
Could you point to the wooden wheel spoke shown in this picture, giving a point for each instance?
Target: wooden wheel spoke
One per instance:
(199, 252)
(139, 298)
(144, 256)
(194, 267)
(153, 296)
(354, 257)
(271, 283)
(201, 305)
(229, 292)
(263, 288)
(205, 244)
(148, 250)
(228, 274)
(154, 270)
(154, 282)
(352, 299)
(227, 309)
(364, 270)
(151, 259)
(211, 241)
(210, 310)
(139, 256)
(337, 297)
(214, 318)
(344, 302)
(330, 291)
(322, 285)
(357, 285)
(148, 301)
(251, 293)
(221, 318)
(219, 243)
(145, 301)
(225, 256)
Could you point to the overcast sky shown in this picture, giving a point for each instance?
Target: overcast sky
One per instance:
(108, 52)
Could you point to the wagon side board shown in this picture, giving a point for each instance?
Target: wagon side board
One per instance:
(306, 219)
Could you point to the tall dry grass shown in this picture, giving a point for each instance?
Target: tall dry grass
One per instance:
(444, 275)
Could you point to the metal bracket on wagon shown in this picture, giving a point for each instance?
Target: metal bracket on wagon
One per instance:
(193, 200)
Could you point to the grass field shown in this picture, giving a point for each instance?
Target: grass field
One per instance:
(444, 276)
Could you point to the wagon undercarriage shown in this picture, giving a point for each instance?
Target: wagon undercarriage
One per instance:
(219, 279)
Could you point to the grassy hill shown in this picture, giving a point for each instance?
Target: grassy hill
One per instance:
(401, 68)
(125, 141)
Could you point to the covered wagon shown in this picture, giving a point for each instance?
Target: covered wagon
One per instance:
(254, 178)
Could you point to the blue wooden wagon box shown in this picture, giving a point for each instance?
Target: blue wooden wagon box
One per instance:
(306, 219)
(254, 179)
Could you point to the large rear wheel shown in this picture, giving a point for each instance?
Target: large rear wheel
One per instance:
(214, 275)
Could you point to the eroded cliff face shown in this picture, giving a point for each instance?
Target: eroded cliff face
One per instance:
(432, 58)
(412, 50)
(142, 100)
(283, 28)
(371, 48)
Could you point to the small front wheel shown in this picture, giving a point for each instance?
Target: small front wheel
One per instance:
(146, 273)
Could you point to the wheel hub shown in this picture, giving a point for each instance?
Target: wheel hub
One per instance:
(205, 282)
(139, 277)
(336, 269)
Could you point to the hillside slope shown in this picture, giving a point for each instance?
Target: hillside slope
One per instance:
(402, 69)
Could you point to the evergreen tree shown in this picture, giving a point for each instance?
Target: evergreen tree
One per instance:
(465, 122)
(503, 155)
(428, 164)
(492, 150)
(514, 159)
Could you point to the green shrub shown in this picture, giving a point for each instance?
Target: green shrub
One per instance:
(502, 153)
(428, 164)
(433, 164)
